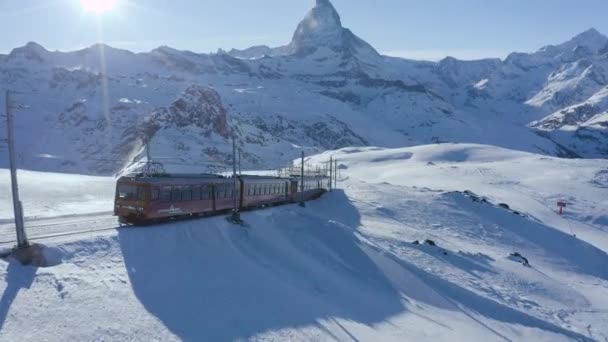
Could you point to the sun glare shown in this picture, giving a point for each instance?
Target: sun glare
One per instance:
(98, 6)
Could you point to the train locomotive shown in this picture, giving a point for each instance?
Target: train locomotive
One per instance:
(150, 199)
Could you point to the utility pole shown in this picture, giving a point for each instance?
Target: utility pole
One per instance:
(148, 172)
(240, 170)
(330, 172)
(336, 174)
(17, 207)
(236, 216)
(302, 182)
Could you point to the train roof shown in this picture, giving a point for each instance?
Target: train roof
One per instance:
(206, 178)
(174, 178)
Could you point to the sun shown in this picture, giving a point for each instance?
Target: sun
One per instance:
(98, 6)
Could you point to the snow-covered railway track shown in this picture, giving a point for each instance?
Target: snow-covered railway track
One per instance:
(59, 226)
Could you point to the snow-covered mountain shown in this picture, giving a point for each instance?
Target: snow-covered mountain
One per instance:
(91, 110)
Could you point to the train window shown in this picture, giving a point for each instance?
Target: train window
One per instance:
(196, 193)
(222, 191)
(127, 191)
(141, 193)
(219, 192)
(165, 193)
(176, 193)
(186, 193)
(131, 192)
(205, 192)
(155, 193)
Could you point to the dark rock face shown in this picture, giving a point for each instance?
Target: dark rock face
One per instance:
(571, 116)
(198, 106)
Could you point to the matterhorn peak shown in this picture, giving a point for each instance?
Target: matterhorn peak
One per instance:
(322, 27)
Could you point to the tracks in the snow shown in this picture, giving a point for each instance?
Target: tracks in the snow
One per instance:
(45, 228)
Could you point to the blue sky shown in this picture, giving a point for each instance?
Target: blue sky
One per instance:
(429, 29)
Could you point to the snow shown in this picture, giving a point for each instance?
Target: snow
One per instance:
(345, 267)
(52, 194)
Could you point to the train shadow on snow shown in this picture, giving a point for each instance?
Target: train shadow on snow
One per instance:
(292, 267)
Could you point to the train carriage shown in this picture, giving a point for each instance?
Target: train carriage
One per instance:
(259, 191)
(313, 188)
(142, 199)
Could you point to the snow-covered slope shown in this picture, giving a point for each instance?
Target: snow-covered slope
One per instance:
(91, 110)
(345, 266)
(50, 195)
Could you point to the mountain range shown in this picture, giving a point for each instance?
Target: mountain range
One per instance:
(91, 111)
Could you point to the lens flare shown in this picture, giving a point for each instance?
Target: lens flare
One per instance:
(98, 6)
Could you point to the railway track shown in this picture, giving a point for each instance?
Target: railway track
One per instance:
(45, 228)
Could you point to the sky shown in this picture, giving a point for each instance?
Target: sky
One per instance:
(429, 29)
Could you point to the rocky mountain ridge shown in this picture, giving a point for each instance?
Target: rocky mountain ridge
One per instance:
(91, 110)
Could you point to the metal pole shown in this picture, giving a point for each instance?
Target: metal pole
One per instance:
(148, 161)
(331, 163)
(18, 210)
(336, 174)
(240, 170)
(236, 217)
(302, 182)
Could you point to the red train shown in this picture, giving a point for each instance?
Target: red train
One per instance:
(141, 200)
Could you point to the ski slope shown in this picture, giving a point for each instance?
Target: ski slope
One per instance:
(345, 267)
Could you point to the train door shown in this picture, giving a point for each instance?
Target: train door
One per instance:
(293, 190)
(242, 193)
(286, 191)
(213, 189)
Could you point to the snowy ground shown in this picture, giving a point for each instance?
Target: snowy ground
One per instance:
(344, 267)
(52, 194)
